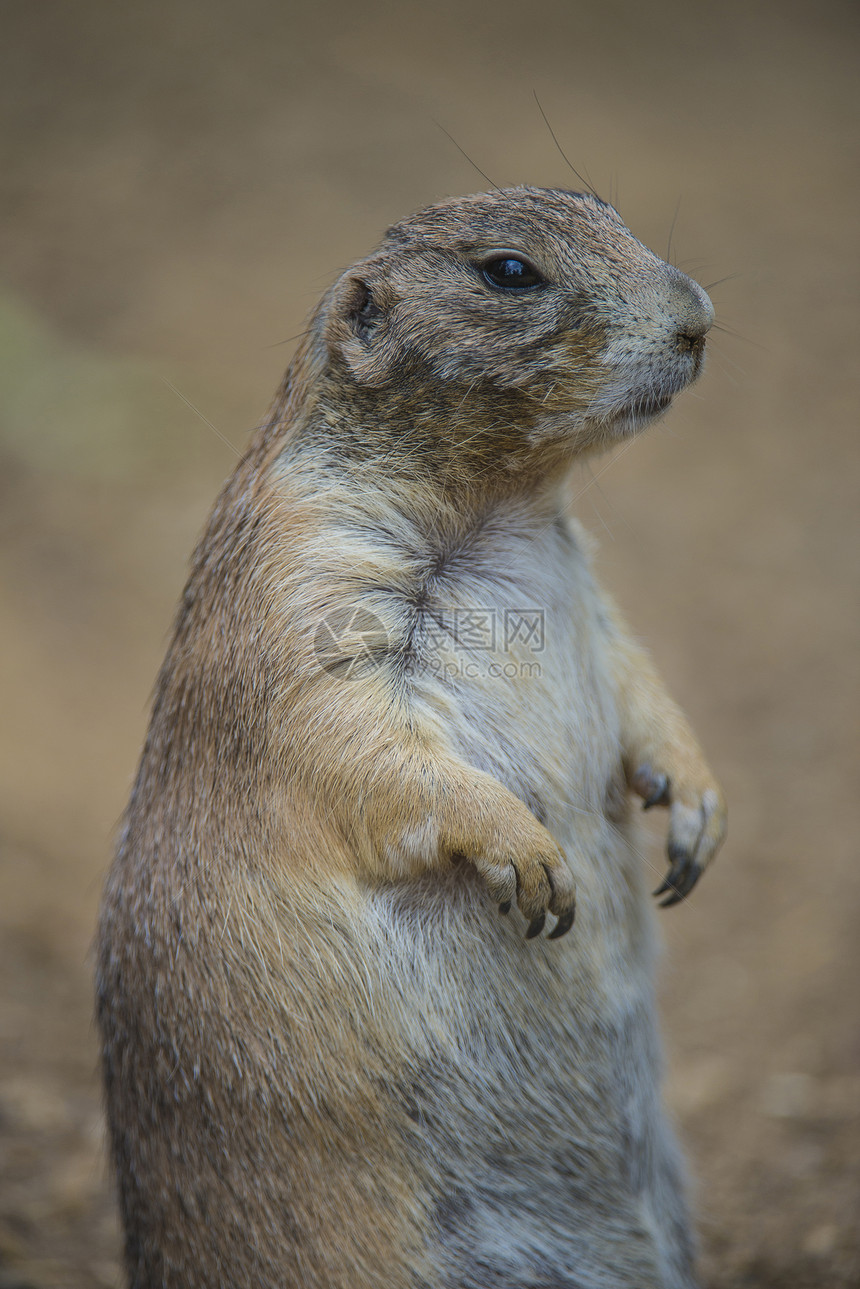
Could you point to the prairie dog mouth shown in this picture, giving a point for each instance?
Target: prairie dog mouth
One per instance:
(651, 405)
(644, 408)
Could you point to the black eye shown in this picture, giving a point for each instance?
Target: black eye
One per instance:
(511, 274)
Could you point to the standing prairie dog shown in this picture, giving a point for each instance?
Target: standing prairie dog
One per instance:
(397, 704)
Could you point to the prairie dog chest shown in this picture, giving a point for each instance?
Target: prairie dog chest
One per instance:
(507, 659)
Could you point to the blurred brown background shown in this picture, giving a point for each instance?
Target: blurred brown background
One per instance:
(181, 181)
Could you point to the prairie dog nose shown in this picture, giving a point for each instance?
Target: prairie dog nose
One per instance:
(692, 309)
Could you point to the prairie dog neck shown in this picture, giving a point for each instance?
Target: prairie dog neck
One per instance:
(428, 513)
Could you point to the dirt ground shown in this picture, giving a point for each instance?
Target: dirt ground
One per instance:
(180, 182)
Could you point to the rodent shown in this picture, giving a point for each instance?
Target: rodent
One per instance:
(330, 1060)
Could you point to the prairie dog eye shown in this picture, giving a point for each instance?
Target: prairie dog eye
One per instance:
(510, 273)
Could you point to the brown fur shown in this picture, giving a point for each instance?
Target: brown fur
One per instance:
(328, 1062)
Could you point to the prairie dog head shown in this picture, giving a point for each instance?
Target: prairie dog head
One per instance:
(534, 305)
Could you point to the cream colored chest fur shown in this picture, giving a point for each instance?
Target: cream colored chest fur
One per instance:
(500, 651)
(509, 659)
(508, 1038)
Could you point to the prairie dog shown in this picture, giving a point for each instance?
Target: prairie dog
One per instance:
(396, 703)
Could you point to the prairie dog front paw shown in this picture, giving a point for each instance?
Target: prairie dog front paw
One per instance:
(697, 825)
(520, 860)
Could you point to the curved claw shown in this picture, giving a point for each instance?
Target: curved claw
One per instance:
(683, 886)
(681, 878)
(505, 907)
(536, 926)
(565, 922)
(696, 831)
(679, 859)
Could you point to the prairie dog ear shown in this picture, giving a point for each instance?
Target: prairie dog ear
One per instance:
(357, 327)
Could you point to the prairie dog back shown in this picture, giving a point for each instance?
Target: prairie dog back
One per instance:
(352, 1033)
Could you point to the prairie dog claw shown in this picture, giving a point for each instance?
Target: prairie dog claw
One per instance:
(521, 863)
(697, 826)
(695, 833)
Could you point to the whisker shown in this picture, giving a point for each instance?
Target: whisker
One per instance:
(204, 419)
(277, 343)
(671, 231)
(564, 155)
(468, 158)
(737, 335)
(730, 277)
